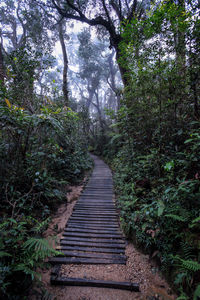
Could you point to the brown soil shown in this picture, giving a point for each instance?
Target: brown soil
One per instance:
(138, 269)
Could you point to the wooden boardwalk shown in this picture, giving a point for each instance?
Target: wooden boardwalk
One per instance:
(92, 234)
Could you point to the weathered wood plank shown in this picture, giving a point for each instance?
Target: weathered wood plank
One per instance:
(92, 226)
(130, 286)
(95, 219)
(93, 255)
(94, 235)
(94, 232)
(91, 249)
(93, 244)
(94, 240)
(85, 230)
(87, 261)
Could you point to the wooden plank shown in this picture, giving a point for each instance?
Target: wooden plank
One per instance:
(95, 212)
(94, 240)
(94, 222)
(130, 286)
(92, 235)
(95, 207)
(87, 261)
(93, 226)
(94, 215)
(97, 204)
(55, 270)
(94, 219)
(90, 249)
(92, 244)
(93, 255)
(90, 231)
(91, 215)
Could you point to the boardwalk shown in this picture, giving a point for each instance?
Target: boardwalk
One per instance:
(92, 234)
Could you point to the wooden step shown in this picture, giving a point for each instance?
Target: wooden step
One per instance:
(58, 280)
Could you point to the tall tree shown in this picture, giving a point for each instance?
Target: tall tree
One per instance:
(65, 61)
(108, 14)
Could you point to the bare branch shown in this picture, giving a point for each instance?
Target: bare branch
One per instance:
(117, 9)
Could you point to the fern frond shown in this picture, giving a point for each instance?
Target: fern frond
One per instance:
(189, 265)
(25, 269)
(4, 254)
(195, 222)
(197, 293)
(40, 248)
(186, 249)
(38, 228)
(176, 217)
(182, 297)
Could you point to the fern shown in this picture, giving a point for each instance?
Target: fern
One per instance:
(28, 271)
(4, 254)
(186, 249)
(183, 296)
(195, 222)
(39, 227)
(197, 293)
(180, 277)
(176, 218)
(40, 248)
(189, 265)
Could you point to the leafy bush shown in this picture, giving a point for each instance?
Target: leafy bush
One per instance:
(41, 153)
(162, 213)
(22, 252)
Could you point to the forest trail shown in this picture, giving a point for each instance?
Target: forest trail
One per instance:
(92, 234)
(89, 265)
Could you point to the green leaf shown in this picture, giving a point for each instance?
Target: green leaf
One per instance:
(175, 217)
(168, 166)
(197, 293)
(4, 254)
(161, 207)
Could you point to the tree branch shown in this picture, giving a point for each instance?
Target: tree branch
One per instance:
(82, 18)
(117, 9)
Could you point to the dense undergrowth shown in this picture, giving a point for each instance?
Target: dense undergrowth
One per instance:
(154, 145)
(161, 214)
(41, 154)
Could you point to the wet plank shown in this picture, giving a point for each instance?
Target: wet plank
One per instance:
(134, 287)
(91, 249)
(93, 244)
(87, 261)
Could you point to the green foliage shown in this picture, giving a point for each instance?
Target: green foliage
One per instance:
(21, 254)
(160, 214)
(197, 293)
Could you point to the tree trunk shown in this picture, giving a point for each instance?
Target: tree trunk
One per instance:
(2, 74)
(65, 62)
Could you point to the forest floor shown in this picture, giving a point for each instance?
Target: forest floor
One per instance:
(138, 269)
